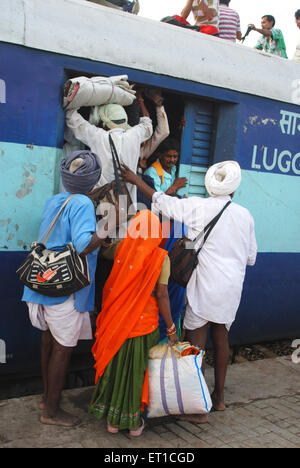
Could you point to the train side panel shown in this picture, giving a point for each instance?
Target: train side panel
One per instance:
(243, 127)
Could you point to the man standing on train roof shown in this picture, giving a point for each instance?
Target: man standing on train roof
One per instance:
(111, 119)
(296, 57)
(215, 288)
(272, 41)
(65, 320)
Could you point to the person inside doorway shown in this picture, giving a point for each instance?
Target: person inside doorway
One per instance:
(163, 171)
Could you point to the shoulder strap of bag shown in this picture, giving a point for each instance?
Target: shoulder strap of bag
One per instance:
(117, 166)
(45, 236)
(210, 226)
(159, 169)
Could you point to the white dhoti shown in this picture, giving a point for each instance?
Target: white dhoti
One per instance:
(193, 321)
(65, 323)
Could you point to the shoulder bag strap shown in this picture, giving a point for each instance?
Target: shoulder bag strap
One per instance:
(117, 166)
(159, 169)
(210, 226)
(45, 236)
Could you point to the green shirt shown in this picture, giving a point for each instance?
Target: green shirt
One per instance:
(274, 45)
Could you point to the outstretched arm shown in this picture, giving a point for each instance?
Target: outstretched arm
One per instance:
(264, 32)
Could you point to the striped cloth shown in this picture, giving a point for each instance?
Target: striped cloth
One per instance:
(229, 23)
(199, 15)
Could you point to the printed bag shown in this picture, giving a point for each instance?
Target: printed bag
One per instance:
(51, 273)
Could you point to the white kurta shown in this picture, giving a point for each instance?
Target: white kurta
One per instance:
(128, 144)
(162, 131)
(215, 288)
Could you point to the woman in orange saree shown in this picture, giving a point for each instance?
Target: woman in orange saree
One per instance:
(127, 326)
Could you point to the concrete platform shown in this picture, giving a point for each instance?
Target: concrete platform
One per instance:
(263, 399)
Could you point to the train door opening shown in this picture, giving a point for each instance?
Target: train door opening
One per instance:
(192, 124)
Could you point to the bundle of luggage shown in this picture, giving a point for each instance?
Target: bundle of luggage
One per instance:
(176, 382)
(177, 20)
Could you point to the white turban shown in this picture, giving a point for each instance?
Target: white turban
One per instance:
(223, 178)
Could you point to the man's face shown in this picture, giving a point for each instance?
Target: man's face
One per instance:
(265, 24)
(168, 159)
(298, 22)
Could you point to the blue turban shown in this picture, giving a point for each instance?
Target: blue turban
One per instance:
(80, 171)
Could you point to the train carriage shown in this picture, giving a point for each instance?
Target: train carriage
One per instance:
(239, 104)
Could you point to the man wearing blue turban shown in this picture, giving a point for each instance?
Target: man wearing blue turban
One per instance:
(65, 320)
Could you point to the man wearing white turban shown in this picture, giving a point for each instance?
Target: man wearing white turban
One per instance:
(215, 288)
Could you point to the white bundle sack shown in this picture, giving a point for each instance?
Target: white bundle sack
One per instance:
(97, 91)
(177, 386)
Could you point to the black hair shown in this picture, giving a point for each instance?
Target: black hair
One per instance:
(270, 18)
(169, 144)
(297, 14)
(225, 2)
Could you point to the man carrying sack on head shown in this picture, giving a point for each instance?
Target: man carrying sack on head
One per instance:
(107, 121)
(215, 287)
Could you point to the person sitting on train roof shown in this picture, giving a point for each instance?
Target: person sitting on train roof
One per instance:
(215, 288)
(114, 121)
(230, 24)
(297, 52)
(206, 14)
(65, 320)
(272, 41)
(163, 171)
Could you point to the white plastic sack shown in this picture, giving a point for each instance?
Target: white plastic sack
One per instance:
(177, 386)
(96, 91)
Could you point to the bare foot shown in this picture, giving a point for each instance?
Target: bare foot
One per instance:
(218, 402)
(42, 405)
(193, 418)
(62, 418)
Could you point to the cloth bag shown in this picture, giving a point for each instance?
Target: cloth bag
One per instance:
(110, 193)
(183, 256)
(97, 91)
(177, 386)
(51, 273)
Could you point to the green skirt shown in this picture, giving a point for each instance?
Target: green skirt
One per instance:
(118, 393)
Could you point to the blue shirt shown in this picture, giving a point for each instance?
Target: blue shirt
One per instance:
(169, 179)
(76, 224)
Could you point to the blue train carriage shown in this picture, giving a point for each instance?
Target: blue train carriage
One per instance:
(239, 104)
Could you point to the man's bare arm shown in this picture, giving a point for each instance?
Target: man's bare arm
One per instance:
(264, 32)
(187, 9)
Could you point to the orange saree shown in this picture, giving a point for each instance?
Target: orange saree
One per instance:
(128, 310)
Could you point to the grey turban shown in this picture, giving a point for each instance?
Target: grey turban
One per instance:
(80, 171)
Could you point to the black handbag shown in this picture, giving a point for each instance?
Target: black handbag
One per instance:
(184, 258)
(111, 192)
(52, 273)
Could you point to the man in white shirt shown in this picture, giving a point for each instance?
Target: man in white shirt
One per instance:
(127, 139)
(215, 288)
(297, 52)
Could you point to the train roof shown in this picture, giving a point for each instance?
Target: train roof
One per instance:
(87, 30)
